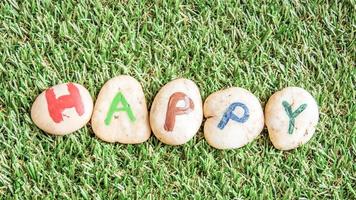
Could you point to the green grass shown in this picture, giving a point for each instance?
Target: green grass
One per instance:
(261, 46)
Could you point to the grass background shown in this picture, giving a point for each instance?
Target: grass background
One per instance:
(262, 46)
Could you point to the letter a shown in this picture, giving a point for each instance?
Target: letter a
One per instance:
(114, 108)
(292, 115)
(57, 105)
(173, 110)
(230, 115)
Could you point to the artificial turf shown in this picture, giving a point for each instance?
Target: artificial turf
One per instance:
(262, 46)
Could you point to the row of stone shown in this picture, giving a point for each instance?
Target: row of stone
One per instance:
(234, 116)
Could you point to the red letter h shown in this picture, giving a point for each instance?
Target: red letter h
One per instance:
(57, 105)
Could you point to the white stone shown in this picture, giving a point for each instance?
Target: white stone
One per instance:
(234, 118)
(282, 133)
(184, 118)
(120, 112)
(54, 110)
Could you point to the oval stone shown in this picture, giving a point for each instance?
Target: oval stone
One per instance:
(176, 112)
(291, 117)
(120, 112)
(234, 118)
(62, 109)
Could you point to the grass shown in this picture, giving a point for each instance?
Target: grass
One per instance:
(262, 46)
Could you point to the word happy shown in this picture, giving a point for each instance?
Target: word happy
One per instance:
(56, 106)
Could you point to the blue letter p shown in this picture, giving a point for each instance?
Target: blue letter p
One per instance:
(230, 115)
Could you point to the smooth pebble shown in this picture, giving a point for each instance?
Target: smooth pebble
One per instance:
(62, 109)
(120, 112)
(234, 118)
(291, 116)
(176, 112)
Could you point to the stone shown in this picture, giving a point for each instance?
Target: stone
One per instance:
(234, 118)
(291, 117)
(62, 109)
(120, 112)
(177, 112)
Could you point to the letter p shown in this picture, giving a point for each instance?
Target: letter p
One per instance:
(229, 114)
(173, 110)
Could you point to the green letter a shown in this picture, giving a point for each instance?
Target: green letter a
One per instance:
(114, 108)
